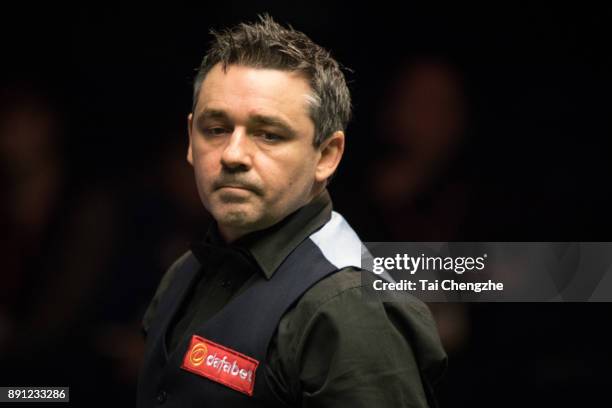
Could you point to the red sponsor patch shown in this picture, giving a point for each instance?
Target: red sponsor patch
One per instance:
(220, 364)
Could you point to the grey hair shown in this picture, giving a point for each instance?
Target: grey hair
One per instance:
(269, 45)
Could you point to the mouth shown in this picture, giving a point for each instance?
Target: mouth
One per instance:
(233, 187)
(236, 194)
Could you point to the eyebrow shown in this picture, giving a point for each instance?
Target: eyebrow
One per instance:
(212, 114)
(254, 120)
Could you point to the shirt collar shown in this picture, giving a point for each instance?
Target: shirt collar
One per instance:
(270, 247)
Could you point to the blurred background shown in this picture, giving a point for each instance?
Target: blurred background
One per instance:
(470, 124)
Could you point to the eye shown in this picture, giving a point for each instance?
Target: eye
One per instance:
(215, 131)
(270, 137)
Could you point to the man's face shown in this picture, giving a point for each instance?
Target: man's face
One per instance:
(251, 146)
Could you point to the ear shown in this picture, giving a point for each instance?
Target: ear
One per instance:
(331, 153)
(189, 131)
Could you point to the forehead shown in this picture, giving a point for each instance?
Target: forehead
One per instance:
(243, 91)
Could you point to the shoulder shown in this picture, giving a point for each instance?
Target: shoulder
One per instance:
(171, 273)
(330, 287)
(164, 283)
(344, 291)
(338, 301)
(334, 329)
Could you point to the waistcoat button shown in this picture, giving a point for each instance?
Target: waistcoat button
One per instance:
(161, 397)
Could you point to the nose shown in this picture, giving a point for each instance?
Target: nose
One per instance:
(236, 154)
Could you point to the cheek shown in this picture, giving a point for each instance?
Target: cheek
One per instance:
(205, 168)
(289, 174)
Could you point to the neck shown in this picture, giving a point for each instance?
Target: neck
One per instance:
(230, 235)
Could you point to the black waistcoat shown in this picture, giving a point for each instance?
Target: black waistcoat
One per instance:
(246, 325)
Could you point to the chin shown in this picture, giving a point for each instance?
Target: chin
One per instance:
(237, 217)
(234, 218)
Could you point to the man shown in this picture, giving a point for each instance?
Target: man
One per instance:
(268, 311)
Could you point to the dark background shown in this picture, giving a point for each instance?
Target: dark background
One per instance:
(100, 96)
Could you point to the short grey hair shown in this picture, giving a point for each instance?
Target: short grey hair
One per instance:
(268, 45)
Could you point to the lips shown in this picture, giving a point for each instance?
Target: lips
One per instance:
(236, 189)
(234, 186)
(240, 186)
